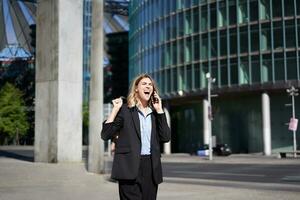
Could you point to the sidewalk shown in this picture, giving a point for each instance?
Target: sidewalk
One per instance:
(24, 180)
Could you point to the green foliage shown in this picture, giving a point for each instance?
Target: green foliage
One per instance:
(13, 119)
(85, 114)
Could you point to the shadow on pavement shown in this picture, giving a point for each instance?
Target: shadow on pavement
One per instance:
(25, 155)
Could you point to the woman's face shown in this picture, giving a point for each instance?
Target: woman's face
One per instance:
(144, 89)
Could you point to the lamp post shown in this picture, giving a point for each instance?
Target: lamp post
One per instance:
(293, 92)
(210, 80)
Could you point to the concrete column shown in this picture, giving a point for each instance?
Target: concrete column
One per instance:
(167, 146)
(96, 145)
(206, 122)
(58, 102)
(266, 124)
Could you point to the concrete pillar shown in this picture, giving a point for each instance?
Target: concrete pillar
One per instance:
(96, 145)
(167, 146)
(206, 122)
(266, 124)
(58, 102)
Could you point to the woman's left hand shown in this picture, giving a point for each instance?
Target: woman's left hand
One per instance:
(156, 102)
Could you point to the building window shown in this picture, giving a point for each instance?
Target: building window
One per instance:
(253, 10)
(203, 23)
(265, 9)
(196, 49)
(222, 18)
(291, 65)
(255, 69)
(233, 41)
(232, 12)
(213, 16)
(266, 68)
(277, 35)
(244, 39)
(279, 66)
(254, 38)
(243, 12)
(223, 43)
(196, 20)
(289, 8)
(224, 72)
(277, 12)
(265, 37)
(290, 34)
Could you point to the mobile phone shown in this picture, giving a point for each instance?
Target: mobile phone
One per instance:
(153, 99)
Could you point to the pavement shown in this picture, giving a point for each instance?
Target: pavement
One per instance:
(22, 179)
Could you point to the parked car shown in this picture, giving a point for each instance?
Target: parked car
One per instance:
(222, 150)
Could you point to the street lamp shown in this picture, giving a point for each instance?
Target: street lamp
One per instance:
(210, 80)
(293, 92)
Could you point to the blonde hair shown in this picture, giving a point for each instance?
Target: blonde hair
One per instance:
(132, 98)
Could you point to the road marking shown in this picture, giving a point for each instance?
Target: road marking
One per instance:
(218, 173)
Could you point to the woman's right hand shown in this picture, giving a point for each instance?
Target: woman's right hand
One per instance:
(117, 103)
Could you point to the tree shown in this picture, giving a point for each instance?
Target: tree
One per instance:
(13, 118)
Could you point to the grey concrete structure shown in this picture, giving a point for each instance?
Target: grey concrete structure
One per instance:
(206, 123)
(266, 116)
(58, 103)
(167, 146)
(96, 145)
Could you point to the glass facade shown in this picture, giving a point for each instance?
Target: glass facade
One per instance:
(247, 45)
(240, 42)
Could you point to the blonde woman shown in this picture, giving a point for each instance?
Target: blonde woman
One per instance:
(142, 126)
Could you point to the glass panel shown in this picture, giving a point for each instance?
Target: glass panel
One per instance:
(244, 77)
(197, 75)
(232, 12)
(289, 8)
(253, 10)
(204, 70)
(266, 68)
(214, 69)
(244, 39)
(213, 16)
(242, 12)
(255, 69)
(174, 83)
(277, 12)
(279, 66)
(233, 71)
(196, 45)
(189, 77)
(168, 80)
(291, 64)
(188, 50)
(168, 31)
(265, 37)
(290, 34)
(223, 43)
(277, 35)
(163, 84)
(181, 51)
(181, 81)
(254, 38)
(167, 54)
(204, 46)
(203, 23)
(188, 23)
(224, 72)
(233, 41)
(174, 53)
(195, 20)
(173, 26)
(222, 14)
(265, 9)
(181, 24)
(161, 30)
(214, 45)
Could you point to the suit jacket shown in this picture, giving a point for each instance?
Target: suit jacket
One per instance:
(128, 145)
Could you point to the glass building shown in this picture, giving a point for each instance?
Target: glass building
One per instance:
(251, 48)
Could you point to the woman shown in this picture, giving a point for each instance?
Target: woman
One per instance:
(141, 127)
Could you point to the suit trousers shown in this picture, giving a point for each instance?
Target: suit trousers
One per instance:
(143, 188)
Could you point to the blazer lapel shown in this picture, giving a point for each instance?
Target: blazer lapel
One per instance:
(136, 121)
(153, 128)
